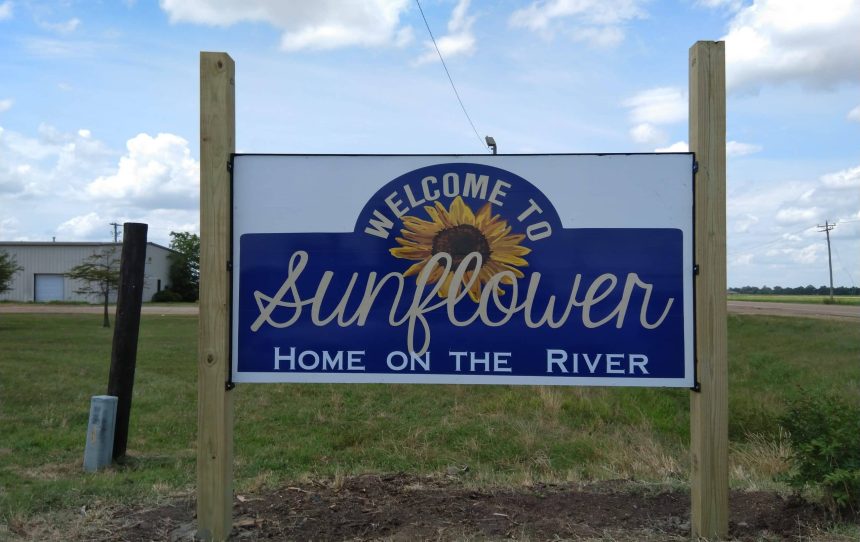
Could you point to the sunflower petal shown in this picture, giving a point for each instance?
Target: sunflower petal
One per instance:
(406, 242)
(410, 253)
(419, 238)
(508, 250)
(442, 216)
(509, 259)
(517, 273)
(461, 213)
(418, 225)
(484, 215)
(415, 268)
(435, 275)
(497, 231)
(475, 293)
(418, 235)
(443, 290)
(514, 239)
(519, 250)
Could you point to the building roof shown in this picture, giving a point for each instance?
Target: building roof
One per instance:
(73, 244)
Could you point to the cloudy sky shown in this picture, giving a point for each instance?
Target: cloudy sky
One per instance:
(99, 114)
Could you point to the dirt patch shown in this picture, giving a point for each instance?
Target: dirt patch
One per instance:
(409, 508)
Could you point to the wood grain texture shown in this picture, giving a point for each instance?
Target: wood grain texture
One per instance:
(215, 404)
(709, 407)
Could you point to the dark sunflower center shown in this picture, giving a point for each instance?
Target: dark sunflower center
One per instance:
(460, 241)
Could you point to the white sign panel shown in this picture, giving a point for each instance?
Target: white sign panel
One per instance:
(514, 269)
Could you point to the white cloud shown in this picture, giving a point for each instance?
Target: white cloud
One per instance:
(804, 255)
(6, 105)
(96, 225)
(156, 173)
(741, 259)
(458, 41)
(773, 233)
(733, 148)
(50, 163)
(781, 41)
(6, 11)
(404, 37)
(647, 133)
(678, 146)
(742, 224)
(847, 178)
(832, 196)
(731, 5)
(796, 215)
(598, 22)
(65, 27)
(163, 221)
(736, 148)
(653, 107)
(322, 24)
(81, 185)
(83, 227)
(62, 48)
(661, 105)
(854, 114)
(608, 36)
(9, 228)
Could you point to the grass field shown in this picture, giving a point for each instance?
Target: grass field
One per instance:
(50, 365)
(812, 299)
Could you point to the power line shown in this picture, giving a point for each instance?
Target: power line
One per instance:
(781, 238)
(839, 258)
(454, 87)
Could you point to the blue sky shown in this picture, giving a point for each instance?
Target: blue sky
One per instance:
(99, 103)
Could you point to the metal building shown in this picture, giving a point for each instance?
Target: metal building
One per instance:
(45, 267)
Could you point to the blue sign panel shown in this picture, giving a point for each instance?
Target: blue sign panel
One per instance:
(461, 272)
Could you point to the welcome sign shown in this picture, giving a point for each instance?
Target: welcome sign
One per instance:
(515, 269)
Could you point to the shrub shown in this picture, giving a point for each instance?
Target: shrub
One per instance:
(825, 438)
(166, 296)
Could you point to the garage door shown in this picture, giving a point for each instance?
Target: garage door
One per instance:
(49, 287)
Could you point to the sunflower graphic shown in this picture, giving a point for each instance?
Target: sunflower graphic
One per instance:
(459, 232)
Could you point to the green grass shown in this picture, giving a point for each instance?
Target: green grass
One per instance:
(809, 299)
(50, 365)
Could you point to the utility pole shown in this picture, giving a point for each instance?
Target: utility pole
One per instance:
(116, 226)
(123, 356)
(826, 229)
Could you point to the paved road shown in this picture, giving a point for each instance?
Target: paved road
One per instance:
(840, 312)
(33, 308)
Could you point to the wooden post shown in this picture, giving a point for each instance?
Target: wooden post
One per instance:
(123, 357)
(709, 406)
(214, 401)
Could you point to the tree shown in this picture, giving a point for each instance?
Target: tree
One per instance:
(99, 275)
(8, 267)
(185, 265)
